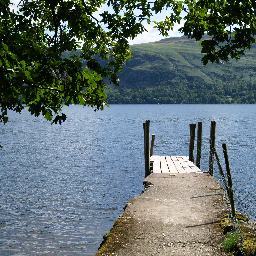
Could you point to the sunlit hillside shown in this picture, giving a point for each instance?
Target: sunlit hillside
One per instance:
(171, 71)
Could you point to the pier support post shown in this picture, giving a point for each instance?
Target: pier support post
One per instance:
(152, 144)
(230, 185)
(199, 144)
(192, 142)
(146, 127)
(212, 146)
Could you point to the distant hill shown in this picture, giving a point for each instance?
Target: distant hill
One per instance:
(171, 71)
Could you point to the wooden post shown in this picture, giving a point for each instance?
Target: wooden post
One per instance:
(199, 144)
(230, 185)
(152, 144)
(212, 146)
(192, 141)
(146, 127)
(221, 170)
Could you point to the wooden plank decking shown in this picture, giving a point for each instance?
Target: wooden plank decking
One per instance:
(172, 164)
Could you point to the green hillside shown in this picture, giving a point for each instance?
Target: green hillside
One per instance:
(171, 71)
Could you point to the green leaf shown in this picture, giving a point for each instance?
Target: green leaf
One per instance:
(48, 115)
(5, 46)
(23, 64)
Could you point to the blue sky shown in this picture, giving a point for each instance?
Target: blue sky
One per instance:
(152, 35)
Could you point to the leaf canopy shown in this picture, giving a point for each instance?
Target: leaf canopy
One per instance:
(41, 68)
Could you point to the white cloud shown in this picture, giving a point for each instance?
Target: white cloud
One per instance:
(153, 35)
(16, 2)
(14, 5)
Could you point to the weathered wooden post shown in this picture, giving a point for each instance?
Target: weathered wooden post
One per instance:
(212, 146)
(221, 170)
(152, 144)
(230, 185)
(199, 144)
(192, 141)
(146, 127)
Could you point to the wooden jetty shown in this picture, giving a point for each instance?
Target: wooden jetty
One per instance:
(172, 164)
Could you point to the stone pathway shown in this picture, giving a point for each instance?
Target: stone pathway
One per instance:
(177, 214)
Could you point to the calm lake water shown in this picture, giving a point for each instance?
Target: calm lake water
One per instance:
(63, 186)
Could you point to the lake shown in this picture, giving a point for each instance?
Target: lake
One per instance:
(63, 186)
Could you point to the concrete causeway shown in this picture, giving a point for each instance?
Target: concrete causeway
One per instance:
(177, 214)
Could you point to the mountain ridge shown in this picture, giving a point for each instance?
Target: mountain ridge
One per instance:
(174, 66)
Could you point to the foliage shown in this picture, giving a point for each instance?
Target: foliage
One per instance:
(240, 236)
(232, 241)
(231, 25)
(34, 73)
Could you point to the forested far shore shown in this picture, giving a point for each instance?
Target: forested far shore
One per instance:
(241, 94)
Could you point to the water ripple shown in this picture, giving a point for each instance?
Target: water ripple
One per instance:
(62, 187)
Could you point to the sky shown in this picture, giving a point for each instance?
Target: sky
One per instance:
(151, 36)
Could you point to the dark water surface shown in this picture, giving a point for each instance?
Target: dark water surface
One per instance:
(62, 187)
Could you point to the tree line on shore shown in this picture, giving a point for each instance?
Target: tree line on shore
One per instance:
(182, 95)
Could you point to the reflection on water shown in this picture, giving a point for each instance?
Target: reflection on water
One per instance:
(62, 187)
